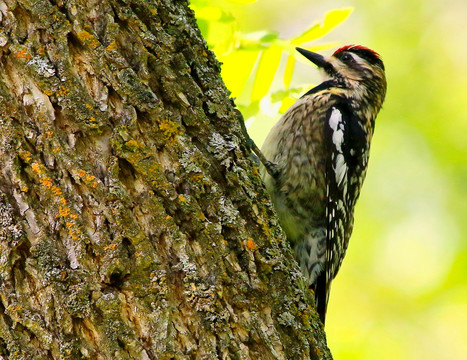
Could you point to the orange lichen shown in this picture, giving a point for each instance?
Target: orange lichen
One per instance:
(73, 232)
(132, 144)
(64, 211)
(56, 190)
(112, 46)
(48, 92)
(47, 182)
(169, 128)
(110, 247)
(23, 55)
(81, 173)
(26, 156)
(63, 91)
(182, 198)
(250, 244)
(36, 168)
(85, 36)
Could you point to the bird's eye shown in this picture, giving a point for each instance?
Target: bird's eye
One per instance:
(346, 57)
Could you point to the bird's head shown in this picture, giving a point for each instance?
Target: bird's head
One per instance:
(354, 68)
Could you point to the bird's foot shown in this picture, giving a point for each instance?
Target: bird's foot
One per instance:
(272, 169)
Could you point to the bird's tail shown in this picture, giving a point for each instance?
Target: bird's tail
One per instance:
(321, 288)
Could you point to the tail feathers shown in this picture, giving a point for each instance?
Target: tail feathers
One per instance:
(311, 254)
(321, 288)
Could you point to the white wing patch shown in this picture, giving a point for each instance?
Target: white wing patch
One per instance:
(335, 119)
(340, 169)
(338, 139)
(337, 126)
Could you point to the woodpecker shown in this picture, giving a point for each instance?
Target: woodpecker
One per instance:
(316, 157)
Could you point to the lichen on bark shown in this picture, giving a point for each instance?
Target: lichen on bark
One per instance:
(133, 224)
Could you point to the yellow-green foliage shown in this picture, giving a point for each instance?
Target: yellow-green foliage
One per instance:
(251, 60)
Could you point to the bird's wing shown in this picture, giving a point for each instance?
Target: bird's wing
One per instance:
(344, 140)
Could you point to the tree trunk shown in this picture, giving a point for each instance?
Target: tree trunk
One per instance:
(133, 225)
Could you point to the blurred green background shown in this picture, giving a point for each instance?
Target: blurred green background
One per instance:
(401, 292)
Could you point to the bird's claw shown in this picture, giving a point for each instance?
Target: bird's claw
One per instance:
(272, 169)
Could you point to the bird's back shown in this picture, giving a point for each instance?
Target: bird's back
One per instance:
(295, 145)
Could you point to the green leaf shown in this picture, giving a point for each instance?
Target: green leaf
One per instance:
(222, 37)
(236, 69)
(203, 27)
(267, 67)
(289, 96)
(269, 37)
(289, 67)
(286, 103)
(331, 20)
(211, 13)
(336, 17)
(250, 110)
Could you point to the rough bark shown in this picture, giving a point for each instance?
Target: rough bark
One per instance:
(133, 225)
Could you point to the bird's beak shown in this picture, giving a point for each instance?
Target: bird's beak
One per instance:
(315, 58)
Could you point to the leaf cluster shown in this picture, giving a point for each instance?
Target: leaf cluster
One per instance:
(252, 61)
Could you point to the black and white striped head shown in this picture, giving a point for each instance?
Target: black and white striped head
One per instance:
(354, 67)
